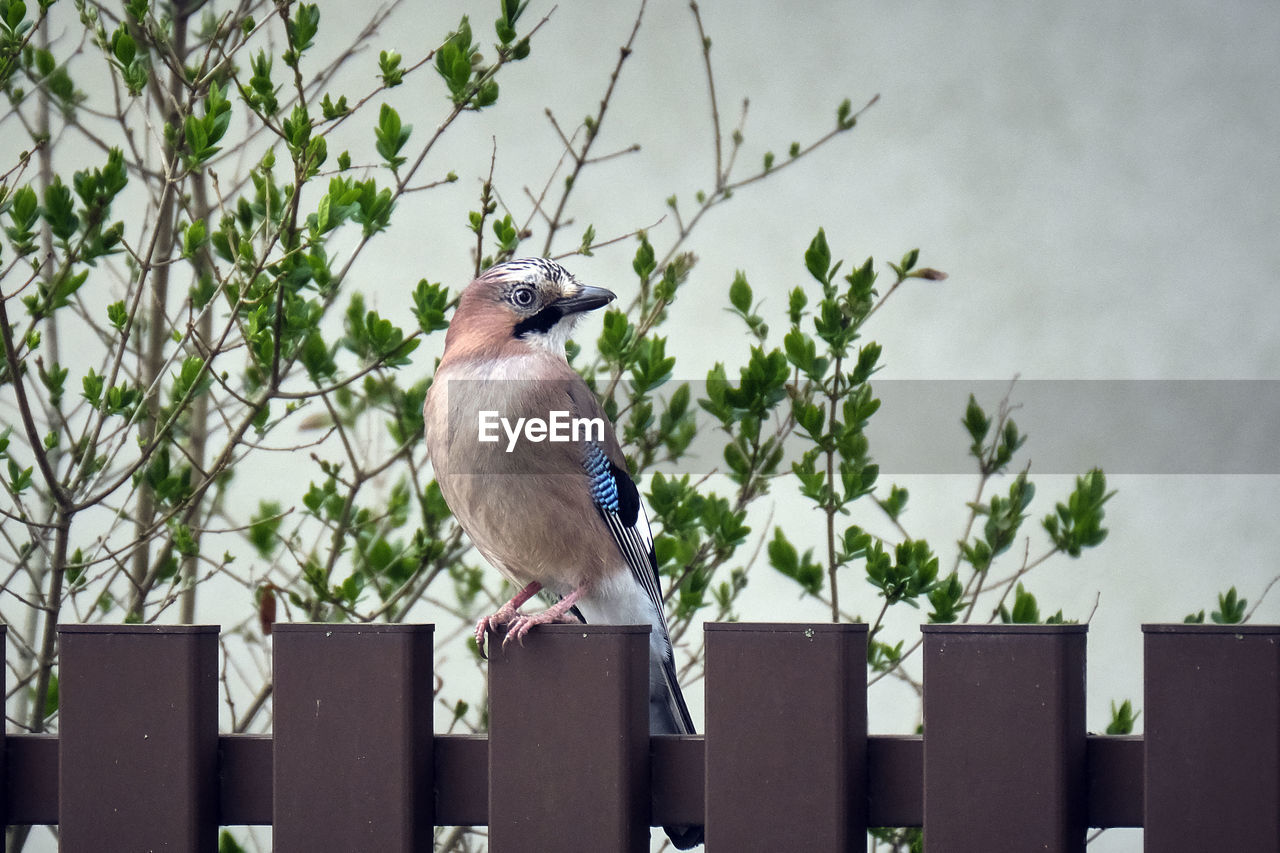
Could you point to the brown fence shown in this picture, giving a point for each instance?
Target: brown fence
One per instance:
(786, 763)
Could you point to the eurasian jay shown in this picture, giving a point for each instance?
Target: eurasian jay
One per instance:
(557, 515)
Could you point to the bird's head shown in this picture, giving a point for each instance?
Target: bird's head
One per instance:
(531, 300)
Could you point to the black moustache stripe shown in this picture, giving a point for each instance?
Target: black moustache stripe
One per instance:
(539, 323)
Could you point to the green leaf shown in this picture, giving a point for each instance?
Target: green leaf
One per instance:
(505, 26)
(803, 570)
(53, 378)
(19, 477)
(1077, 524)
(59, 210)
(652, 366)
(796, 302)
(908, 261)
(389, 67)
(817, 258)
(302, 28)
(507, 233)
(202, 133)
(13, 13)
(977, 424)
(24, 213)
(191, 381)
(263, 528)
(588, 238)
(66, 286)
(184, 542)
(331, 110)
(617, 335)
(228, 844)
(430, 302)
(645, 261)
(453, 61)
(896, 502)
(946, 599)
(194, 237)
(1231, 608)
(297, 128)
(800, 349)
(391, 136)
(1122, 718)
(1025, 609)
(845, 118)
(51, 699)
(317, 358)
(740, 293)
(92, 385)
(261, 94)
(122, 45)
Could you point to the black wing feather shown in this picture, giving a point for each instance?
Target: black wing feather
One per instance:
(617, 500)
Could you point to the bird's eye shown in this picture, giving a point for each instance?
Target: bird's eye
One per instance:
(523, 296)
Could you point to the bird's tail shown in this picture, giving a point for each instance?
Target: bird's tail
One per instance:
(684, 837)
(668, 714)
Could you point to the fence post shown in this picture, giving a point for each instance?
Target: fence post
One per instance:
(353, 737)
(1212, 723)
(786, 738)
(569, 739)
(138, 758)
(1004, 737)
(4, 788)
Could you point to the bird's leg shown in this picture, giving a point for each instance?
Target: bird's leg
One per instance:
(558, 612)
(506, 614)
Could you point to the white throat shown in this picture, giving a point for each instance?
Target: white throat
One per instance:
(554, 339)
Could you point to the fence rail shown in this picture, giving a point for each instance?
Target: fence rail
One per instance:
(786, 762)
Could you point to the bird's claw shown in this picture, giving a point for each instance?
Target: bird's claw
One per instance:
(505, 615)
(518, 624)
(518, 627)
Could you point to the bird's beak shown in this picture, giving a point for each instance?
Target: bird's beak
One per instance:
(587, 298)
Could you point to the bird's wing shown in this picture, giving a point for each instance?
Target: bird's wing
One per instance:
(617, 500)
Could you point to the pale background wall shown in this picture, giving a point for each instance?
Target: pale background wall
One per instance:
(1100, 180)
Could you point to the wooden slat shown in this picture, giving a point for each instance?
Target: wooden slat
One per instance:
(895, 780)
(138, 757)
(1115, 767)
(569, 740)
(1212, 718)
(244, 780)
(1004, 738)
(786, 736)
(462, 780)
(352, 752)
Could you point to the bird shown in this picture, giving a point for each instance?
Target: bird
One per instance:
(574, 526)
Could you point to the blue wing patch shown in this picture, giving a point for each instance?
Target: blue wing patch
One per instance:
(603, 483)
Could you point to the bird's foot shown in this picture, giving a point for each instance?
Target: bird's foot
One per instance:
(505, 615)
(523, 622)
